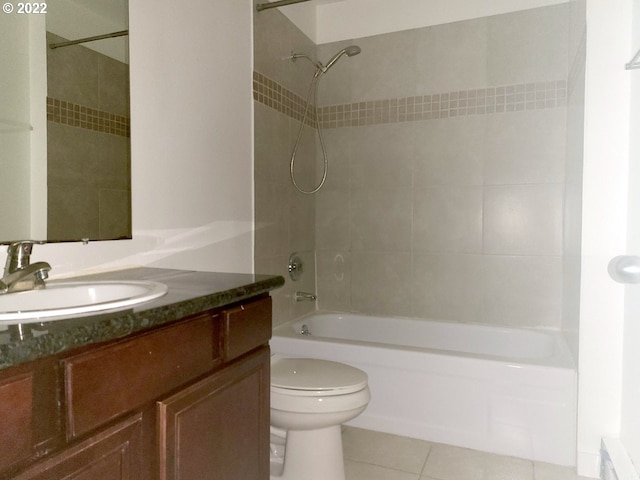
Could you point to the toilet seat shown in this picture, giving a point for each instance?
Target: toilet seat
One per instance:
(312, 377)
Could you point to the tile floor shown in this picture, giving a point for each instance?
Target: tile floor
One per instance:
(379, 456)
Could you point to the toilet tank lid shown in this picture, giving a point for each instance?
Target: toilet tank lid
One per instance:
(315, 375)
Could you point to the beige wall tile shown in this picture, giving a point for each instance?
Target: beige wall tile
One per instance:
(114, 213)
(114, 86)
(530, 45)
(337, 86)
(447, 219)
(334, 280)
(525, 148)
(382, 155)
(275, 38)
(446, 150)
(523, 291)
(385, 68)
(73, 212)
(72, 74)
(333, 219)
(302, 220)
(451, 56)
(284, 219)
(282, 303)
(448, 287)
(450, 151)
(271, 219)
(523, 219)
(381, 283)
(272, 146)
(338, 151)
(381, 220)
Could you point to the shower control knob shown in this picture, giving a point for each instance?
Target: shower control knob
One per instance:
(295, 267)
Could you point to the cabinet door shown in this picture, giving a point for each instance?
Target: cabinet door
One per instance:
(113, 454)
(218, 428)
(16, 407)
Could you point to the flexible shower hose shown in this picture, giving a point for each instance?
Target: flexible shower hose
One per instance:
(313, 89)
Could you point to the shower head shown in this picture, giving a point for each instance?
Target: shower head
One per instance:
(349, 51)
(352, 50)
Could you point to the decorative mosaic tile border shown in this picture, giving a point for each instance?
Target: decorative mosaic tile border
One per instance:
(481, 101)
(271, 93)
(67, 113)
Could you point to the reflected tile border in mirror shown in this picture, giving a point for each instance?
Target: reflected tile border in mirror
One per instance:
(67, 113)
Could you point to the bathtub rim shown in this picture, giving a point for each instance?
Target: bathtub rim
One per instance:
(562, 358)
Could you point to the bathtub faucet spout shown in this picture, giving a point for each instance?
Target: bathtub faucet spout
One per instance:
(302, 296)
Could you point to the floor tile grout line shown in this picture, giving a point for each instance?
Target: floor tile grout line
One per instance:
(531, 469)
(424, 465)
(384, 467)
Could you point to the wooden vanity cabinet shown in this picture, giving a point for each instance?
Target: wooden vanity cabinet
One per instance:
(16, 401)
(188, 400)
(218, 428)
(113, 453)
(29, 412)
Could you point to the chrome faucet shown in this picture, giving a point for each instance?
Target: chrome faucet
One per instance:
(19, 274)
(300, 296)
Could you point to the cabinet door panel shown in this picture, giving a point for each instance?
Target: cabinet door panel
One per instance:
(16, 407)
(113, 454)
(218, 428)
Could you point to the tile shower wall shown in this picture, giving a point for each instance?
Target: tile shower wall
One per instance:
(447, 172)
(88, 143)
(284, 218)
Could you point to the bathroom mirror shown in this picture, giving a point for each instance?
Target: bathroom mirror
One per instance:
(64, 122)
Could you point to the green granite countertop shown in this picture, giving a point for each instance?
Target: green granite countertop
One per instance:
(190, 292)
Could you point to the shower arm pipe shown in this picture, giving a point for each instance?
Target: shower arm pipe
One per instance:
(282, 3)
(121, 33)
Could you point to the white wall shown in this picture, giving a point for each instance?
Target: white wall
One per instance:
(630, 413)
(325, 21)
(338, 21)
(15, 124)
(607, 100)
(191, 116)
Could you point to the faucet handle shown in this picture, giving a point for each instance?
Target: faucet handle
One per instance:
(18, 254)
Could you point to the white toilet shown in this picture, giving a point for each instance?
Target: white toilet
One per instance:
(310, 399)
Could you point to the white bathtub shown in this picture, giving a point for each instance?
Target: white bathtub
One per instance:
(502, 390)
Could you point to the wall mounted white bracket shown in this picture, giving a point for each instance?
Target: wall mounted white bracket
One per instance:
(625, 269)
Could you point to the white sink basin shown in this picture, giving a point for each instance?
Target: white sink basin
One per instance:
(69, 298)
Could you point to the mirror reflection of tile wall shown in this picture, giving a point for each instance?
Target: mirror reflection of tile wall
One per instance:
(89, 159)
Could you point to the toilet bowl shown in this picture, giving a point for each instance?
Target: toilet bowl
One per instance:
(310, 399)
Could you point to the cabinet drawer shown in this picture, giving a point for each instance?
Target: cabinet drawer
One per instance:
(16, 410)
(246, 327)
(110, 381)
